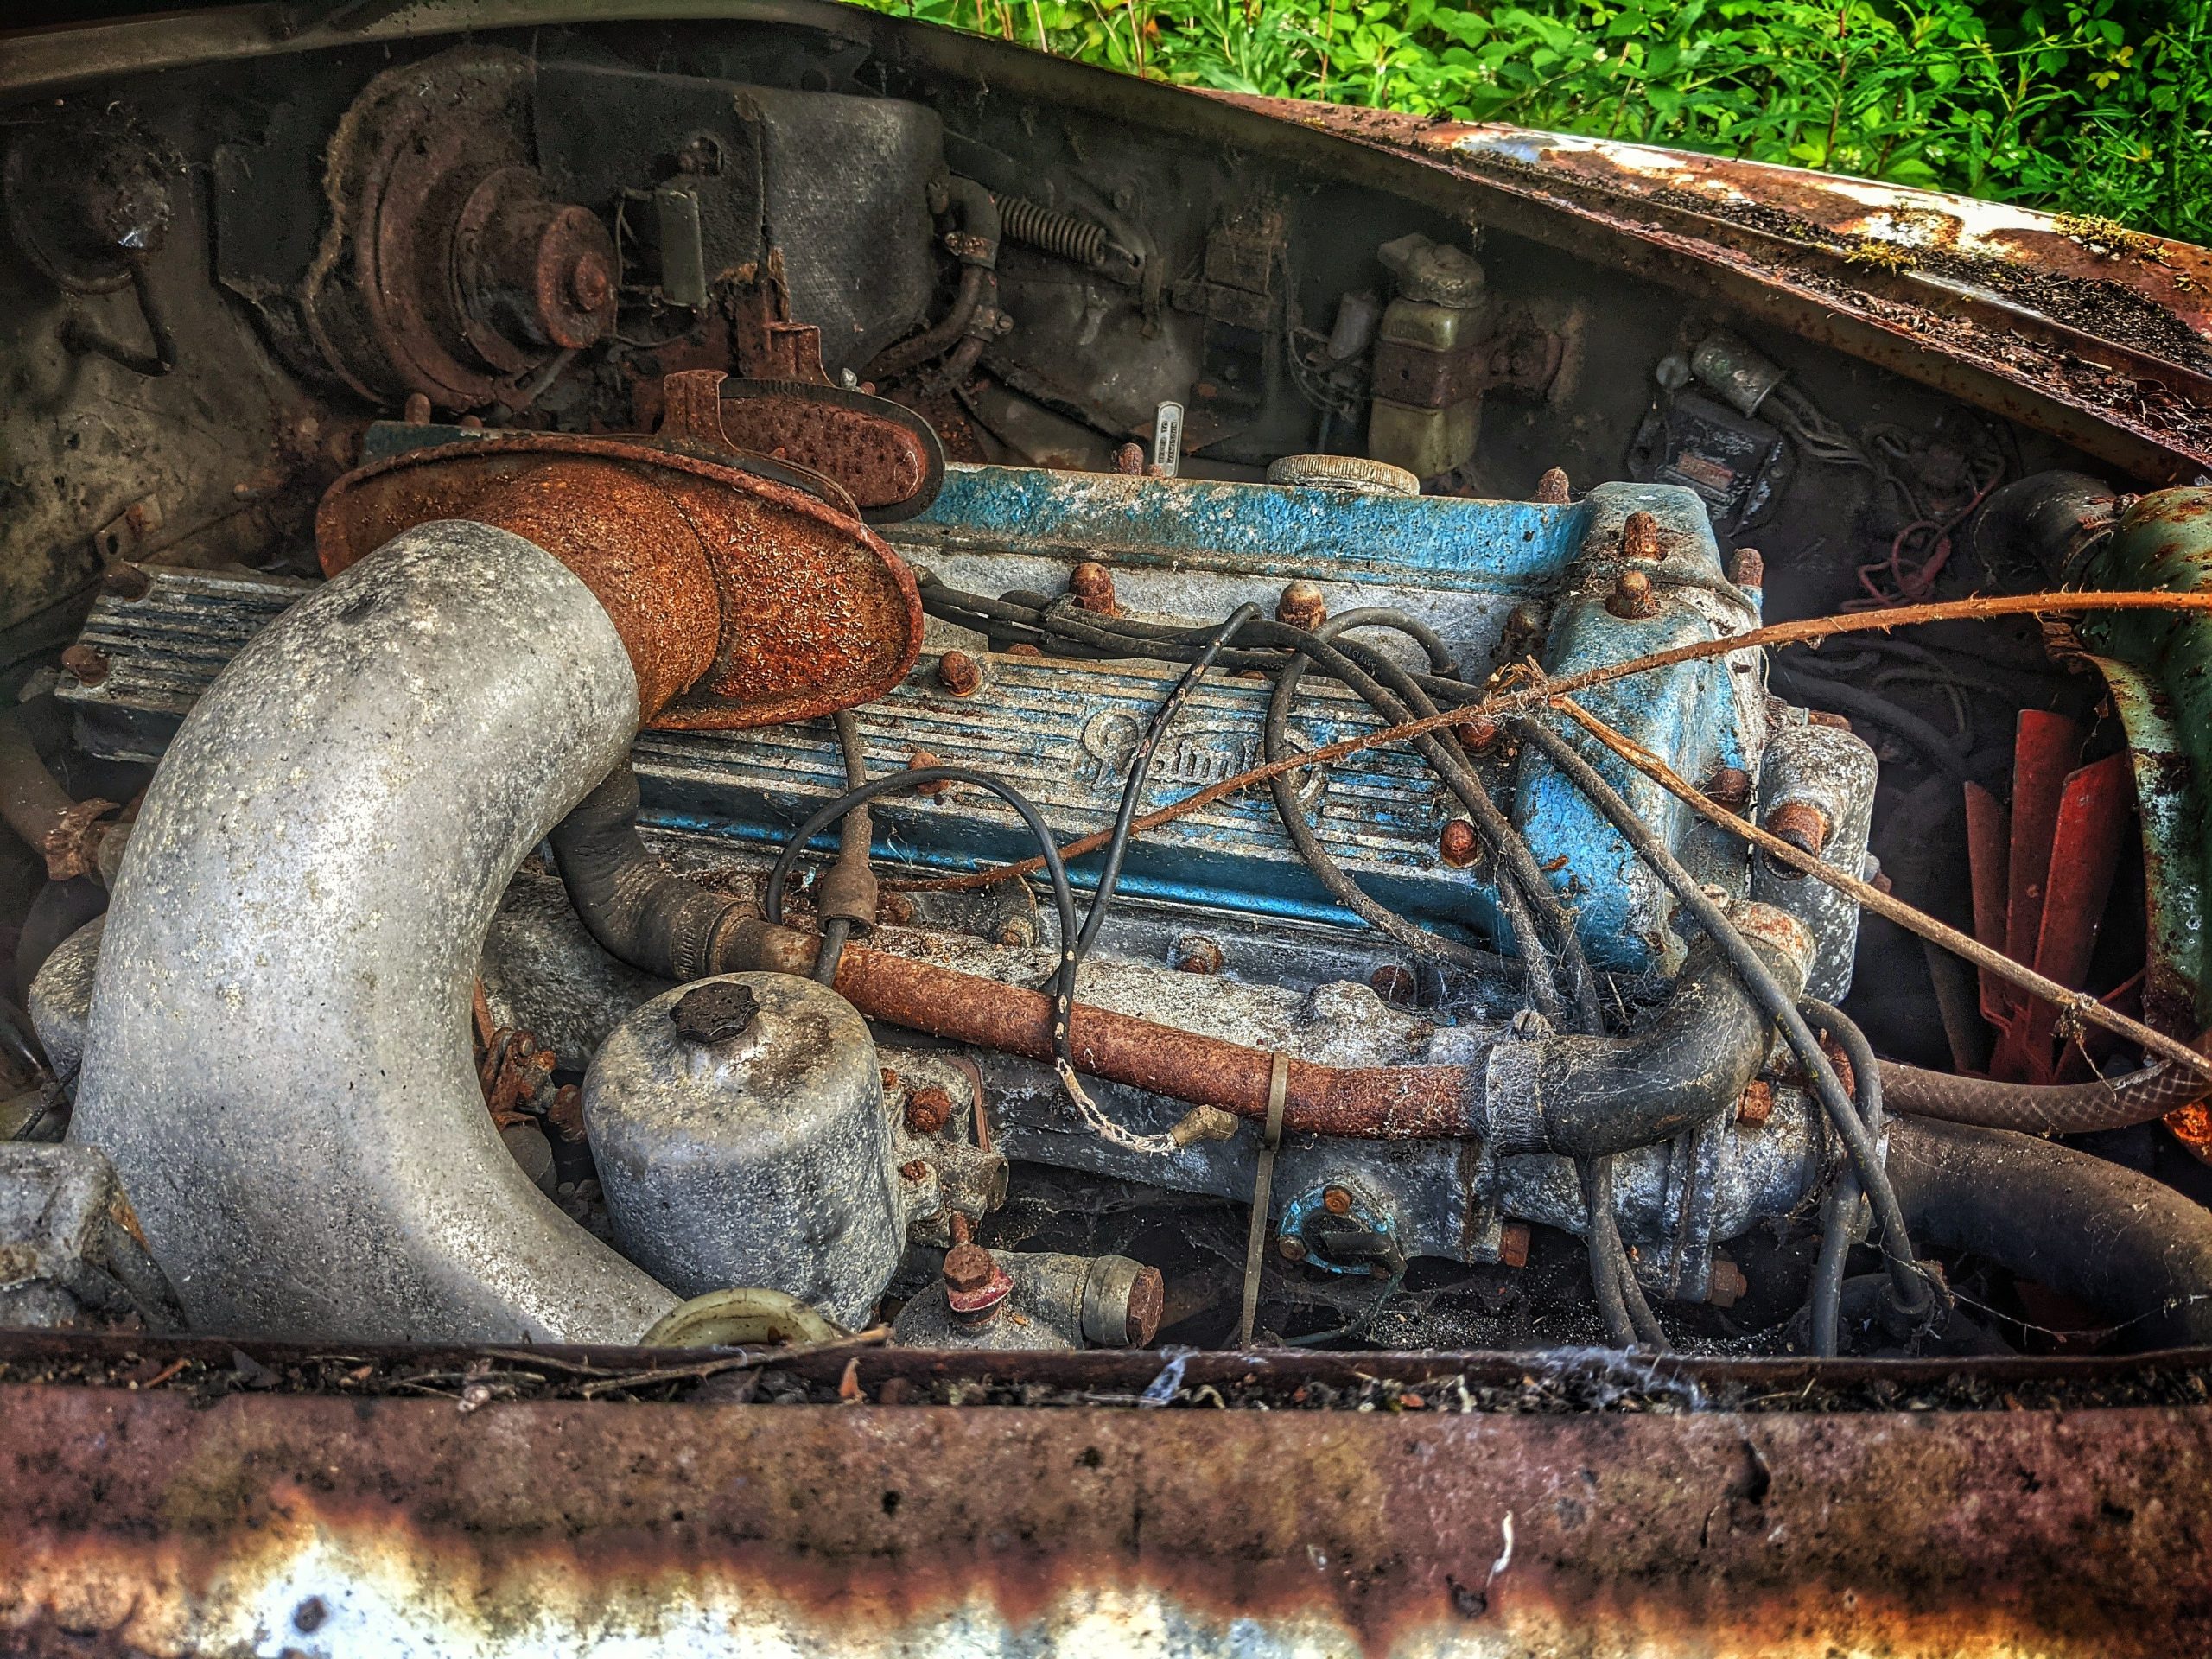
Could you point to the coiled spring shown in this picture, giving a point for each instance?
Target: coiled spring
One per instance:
(1061, 234)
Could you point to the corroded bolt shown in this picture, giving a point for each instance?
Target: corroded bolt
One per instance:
(1456, 844)
(1302, 606)
(1129, 460)
(1291, 1249)
(1479, 735)
(1756, 1104)
(90, 666)
(1640, 537)
(959, 673)
(976, 1286)
(1147, 1302)
(417, 412)
(1197, 955)
(1024, 650)
(1800, 823)
(916, 1170)
(588, 283)
(1822, 717)
(1731, 786)
(1748, 568)
(1513, 1244)
(1336, 1200)
(896, 908)
(125, 581)
(1393, 982)
(1092, 584)
(1552, 488)
(922, 760)
(929, 1110)
(1632, 596)
(1724, 1284)
(890, 1080)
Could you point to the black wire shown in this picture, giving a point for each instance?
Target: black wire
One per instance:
(1063, 899)
(1840, 1208)
(1110, 874)
(1606, 1251)
(1908, 1283)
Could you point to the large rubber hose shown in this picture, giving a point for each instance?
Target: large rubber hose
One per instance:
(2142, 1097)
(2129, 1246)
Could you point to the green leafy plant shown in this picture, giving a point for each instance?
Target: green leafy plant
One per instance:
(2098, 107)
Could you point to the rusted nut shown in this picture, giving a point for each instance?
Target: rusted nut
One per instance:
(1841, 1062)
(1756, 1104)
(1479, 735)
(1147, 1302)
(1748, 568)
(1513, 1244)
(1092, 584)
(1553, 489)
(915, 1169)
(891, 1082)
(896, 908)
(1195, 954)
(1804, 825)
(1640, 538)
(1337, 1200)
(1633, 597)
(72, 843)
(1731, 786)
(922, 760)
(1291, 1248)
(125, 581)
(929, 1110)
(1394, 983)
(1025, 648)
(715, 1012)
(416, 411)
(1457, 845)
(1129, 460)
(1302, 606)
(1822, 717)
(960, 673)
(89, 665)
(1724, 1284)
(975, 1285)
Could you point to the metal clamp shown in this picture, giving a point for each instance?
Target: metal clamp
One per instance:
(1263, 1183)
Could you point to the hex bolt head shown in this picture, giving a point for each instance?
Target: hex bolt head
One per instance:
(1302, 606)
(1640, 538)
(1730, 786)
(968, 1269)
(1513, 1244)
(1748, 568)
(1724, 1284)
(922, 760)
(89, 665)
(1553, 488)
(1129, 460)
(1290, 1247)
(125, 581)
(1633, 597)
(1756, 1104)
(1825, 717)
(1479, 735)
(1337, 1200)
(715, 1013)
(1457, 845)
(1198, 955)
(959, 673)
(929, 1110)
(1147, 1302)
(1800, 823)
(1092, 584)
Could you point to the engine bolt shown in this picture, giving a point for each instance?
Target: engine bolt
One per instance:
(1724, 1284)
(1756, 1104)
(1731, 786)
(959, 673)
(125, 581)
(917, 1170)
(1822, 717)
(1393, 982)
(1336, 1200)
(1291, 1249)
(1632, 596)
(588, 283)
(1513, 1244)
(1196, 955)
(1302, 606)
(1025, 648)
(90, 666)
(922, 760)
(1456, 844)
(1804, 825)
(976, 1286)
(1640, 538)
(1092, 584)
(418, 409)
(1479, 735)
(1748, 568)
(890, 1080)
(1552, 489)
(1129, 460)
(929, 1110)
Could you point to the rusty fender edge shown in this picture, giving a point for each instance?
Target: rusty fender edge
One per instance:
(171, 1520)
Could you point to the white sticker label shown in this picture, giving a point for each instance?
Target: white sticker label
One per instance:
(1168, 438)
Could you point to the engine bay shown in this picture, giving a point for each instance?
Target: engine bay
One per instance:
(682, 684)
